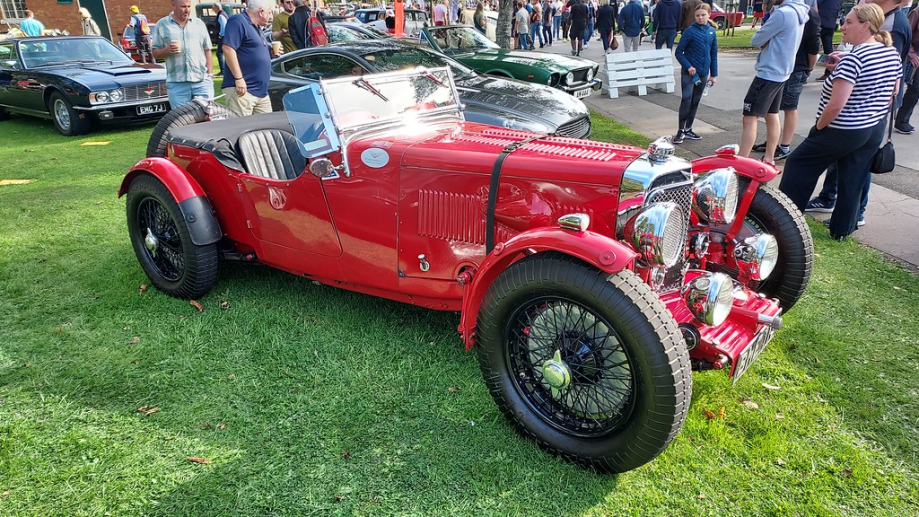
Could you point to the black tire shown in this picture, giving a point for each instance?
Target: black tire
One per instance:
(185, 115)
(619, 344)
(720, 23)
(773, 213)
(176, 265)
(68, 121)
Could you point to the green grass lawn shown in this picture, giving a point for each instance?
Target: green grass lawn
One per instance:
(306, 400)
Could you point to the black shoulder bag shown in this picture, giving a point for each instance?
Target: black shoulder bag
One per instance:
(885, 158)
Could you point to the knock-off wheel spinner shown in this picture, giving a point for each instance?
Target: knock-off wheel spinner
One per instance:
(151, 242)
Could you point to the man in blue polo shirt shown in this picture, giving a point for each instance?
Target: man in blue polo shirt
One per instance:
(248, 60)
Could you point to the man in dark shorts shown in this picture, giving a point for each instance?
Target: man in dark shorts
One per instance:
(579, 13)
(805, 60)
(779, 38)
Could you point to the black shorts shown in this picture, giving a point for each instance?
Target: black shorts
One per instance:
(763, 97)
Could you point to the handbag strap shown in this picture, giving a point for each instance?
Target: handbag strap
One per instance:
(890, 122)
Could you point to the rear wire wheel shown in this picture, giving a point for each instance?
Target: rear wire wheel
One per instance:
(592, 366)
(162, 242)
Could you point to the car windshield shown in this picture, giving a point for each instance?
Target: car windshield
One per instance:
(59, 51)
(318, 113)
(339, 33)
(460, 38)
(409, 57)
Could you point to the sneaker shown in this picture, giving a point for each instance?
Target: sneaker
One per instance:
(861, 221)
(690, 134)
(904, 128)
(822, 77)
(782, 153)
(819, 205)
(678, 138)
(574, 52)
(760, 148)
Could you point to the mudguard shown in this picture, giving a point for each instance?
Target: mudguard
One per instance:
(604, 253)
(746, 167)
(759, 172)
(193, 203)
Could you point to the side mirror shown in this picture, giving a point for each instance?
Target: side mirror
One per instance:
(322, 168)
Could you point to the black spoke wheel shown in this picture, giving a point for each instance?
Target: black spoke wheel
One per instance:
(602, 387)
(773, 213)
(162, 242)
(592, 366)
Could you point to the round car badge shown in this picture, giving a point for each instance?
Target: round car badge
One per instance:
(375, 157)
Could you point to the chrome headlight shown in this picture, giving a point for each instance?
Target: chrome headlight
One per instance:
(569, 78)
(553, 80)
(116, 95)
(101, 97)
(658, 233)
(757, 256)
(590, 75)
(714, 197)
(709, 297)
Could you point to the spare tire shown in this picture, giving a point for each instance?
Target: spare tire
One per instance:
(192, 112)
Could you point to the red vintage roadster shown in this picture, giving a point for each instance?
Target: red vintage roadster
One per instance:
(592, 278)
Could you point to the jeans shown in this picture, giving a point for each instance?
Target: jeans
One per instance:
(909, 98)
(534, 31)
(522, 42)
(547, 33)
(691, 95)
(826, 38)
(556, 25)
(220, 61)
(852, 151)
(181, 92)
(665, 36)
(605, 34)
(589, 30)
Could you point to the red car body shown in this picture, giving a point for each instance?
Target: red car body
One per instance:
(406, 215)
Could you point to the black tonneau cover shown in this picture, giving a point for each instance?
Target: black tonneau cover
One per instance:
(221, 136)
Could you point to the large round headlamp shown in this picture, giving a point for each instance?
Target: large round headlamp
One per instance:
(101, 96)
(116, 95)
(553, 80)
(658, 233)
(569, 78)
(590, 75)
(714, 196)
(757, 256)
(709, 297)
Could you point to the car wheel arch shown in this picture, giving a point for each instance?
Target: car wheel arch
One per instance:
(594, 249)
(193, 203)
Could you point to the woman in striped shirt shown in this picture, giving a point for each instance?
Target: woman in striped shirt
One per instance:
(851, 119)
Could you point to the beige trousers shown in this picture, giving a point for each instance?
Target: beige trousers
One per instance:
(248, 104)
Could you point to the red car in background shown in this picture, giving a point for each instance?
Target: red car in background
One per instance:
(128, 45)
(720, 18)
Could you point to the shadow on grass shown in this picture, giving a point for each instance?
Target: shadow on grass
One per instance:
(307, 399)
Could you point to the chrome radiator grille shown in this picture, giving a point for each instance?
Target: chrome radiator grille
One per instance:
(681, 194)
(577, 128)
(144, 91)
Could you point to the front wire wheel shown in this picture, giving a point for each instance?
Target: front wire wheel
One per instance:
(591, 366)
(162, 242)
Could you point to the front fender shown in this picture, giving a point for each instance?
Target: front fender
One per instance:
(193, 203)
(747, 167)
(604, 253)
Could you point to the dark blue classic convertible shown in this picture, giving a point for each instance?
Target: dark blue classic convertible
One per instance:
(78, 81)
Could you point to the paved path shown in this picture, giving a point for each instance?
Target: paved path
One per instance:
(893, 210)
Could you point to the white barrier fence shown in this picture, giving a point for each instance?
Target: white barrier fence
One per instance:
(639, 69)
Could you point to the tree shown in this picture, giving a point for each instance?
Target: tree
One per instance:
(505, 20)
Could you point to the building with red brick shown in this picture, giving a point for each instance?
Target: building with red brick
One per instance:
(111, 15)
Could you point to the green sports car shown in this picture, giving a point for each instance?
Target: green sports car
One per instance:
(575, 75)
